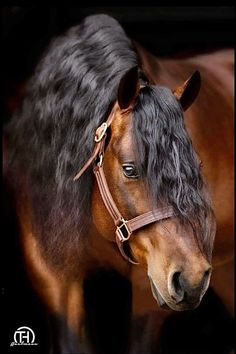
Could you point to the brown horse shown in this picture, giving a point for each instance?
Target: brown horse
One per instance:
(210, 124)
(88, 105)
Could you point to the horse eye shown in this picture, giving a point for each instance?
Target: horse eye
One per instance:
(130, 171)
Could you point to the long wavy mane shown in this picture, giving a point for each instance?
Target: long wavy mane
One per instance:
(51, 135)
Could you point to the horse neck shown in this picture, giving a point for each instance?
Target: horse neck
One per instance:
(216, 67)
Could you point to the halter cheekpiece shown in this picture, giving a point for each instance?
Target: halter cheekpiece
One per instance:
(124, 228)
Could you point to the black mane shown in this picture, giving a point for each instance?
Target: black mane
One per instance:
(51, 136)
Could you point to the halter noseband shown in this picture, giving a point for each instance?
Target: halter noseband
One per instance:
(124, 228)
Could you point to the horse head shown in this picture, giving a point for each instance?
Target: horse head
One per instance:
(149, 164)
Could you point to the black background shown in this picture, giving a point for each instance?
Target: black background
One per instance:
(163, 30)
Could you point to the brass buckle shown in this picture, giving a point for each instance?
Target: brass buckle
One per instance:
(122, 231)
(100, 162)
(100, 132)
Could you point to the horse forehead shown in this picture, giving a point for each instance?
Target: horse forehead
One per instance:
(122, 127)
(121, 135)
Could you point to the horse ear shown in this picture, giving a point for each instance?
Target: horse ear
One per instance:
(128, 88)
(188, 92)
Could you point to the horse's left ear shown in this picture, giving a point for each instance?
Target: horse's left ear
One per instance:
(128, 88)
(188, 92)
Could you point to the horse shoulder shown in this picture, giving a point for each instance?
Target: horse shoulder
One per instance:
(61, 295)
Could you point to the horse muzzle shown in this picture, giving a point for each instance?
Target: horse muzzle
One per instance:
(179, 296)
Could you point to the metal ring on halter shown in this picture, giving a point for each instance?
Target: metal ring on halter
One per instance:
(122, 231)
(100, 132)
(100, 160)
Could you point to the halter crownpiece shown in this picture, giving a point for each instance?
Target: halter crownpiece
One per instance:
(124, 228)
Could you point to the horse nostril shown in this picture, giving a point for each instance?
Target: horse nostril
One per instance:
(175, 281)
(177, 292)
(188, 289)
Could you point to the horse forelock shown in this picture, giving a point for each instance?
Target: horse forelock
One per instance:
(167, 161)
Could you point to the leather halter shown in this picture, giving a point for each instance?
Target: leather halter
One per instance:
(124, 228)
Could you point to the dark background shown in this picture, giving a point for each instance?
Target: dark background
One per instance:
(163, 30)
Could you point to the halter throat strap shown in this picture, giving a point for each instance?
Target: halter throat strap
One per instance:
(124, 228)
